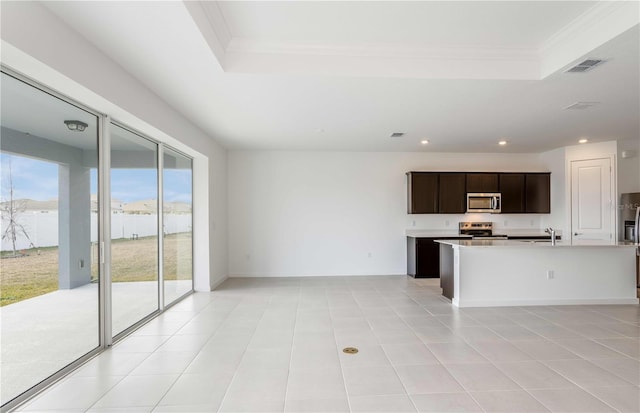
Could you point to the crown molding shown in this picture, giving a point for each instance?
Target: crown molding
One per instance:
(599, 24)
(218, 22)
(209, 20)
(382, 50)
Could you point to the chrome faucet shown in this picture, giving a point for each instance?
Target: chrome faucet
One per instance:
(551, 232)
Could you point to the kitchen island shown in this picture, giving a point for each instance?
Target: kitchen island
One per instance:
(482, 273)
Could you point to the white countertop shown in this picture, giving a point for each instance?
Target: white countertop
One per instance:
(434, 233)
(528, 244)
(441, 233)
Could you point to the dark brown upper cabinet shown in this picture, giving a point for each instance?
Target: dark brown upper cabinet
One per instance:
(422, 192)
(538, 193)
(452, 195)
(445, 192)
(482, 182)
(513, 192)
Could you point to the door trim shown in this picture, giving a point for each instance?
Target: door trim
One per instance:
(614, 192)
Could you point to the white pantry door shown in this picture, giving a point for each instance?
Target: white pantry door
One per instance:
(591, 202)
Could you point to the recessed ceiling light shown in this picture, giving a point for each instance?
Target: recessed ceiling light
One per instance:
(397, 134)
(424, 142)
(583, 140)
(502, 142)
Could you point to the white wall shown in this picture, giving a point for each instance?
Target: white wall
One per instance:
(51, 53)
(323, 213)
(554, 162)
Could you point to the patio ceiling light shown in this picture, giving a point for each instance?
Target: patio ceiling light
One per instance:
(75, 125)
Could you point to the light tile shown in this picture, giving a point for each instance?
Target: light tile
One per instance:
(355, 338)
(317, 406)
(455, 353)
(251, 405)
(400, 354)
(73, 393)
(197, 389)
(534, 375)
(516, 333)
(477, 333)
(569, 400)
(627, 346)
(326, 383)
(589, 349)
(481, 377)
(278, 358)
(184, 343)
(624, 398)
(445, 403)
(139, 344)
(164, 363)
(111, 363)
(222, 359)
(508, 401)
(597, 330)
(313, 339)
(545, 350)
(585, 373)
(552, 331)
(429, 334)
(259, 384)
(137, 391)
(500, 351)
(315, 357)
(625, 368)
(372, 381)
(396, 336)
(423, 379)
(389, 403)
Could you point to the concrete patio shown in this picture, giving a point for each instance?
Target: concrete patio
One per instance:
(41, 335)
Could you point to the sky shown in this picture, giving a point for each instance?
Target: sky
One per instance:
(38, 180)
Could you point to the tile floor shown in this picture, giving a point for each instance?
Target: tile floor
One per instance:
(275, 345)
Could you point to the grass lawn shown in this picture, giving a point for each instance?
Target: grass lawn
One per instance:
(36, 272)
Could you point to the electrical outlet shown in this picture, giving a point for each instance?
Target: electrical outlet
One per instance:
(550, 275)
(81, 264)
(369, 255)
(247, 257)
(506, 223)
(413, 223)
(446, 223)
(531, 222)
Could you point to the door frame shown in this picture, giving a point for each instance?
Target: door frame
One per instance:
(613, 176)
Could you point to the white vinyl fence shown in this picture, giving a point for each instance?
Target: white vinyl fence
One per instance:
(42, 227)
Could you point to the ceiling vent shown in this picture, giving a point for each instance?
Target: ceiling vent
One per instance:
(581, 105)
(397, 134)
(585, 66)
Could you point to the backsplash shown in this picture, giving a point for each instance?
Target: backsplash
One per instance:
(450, 221)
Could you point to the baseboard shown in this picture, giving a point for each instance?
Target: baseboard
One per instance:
(525, 303)
(217, 283)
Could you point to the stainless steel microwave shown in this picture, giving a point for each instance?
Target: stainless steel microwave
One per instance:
(484, 202)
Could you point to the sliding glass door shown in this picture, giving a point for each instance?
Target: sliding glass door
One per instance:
(177, 223)
(82, 255)
(134, 228)
(49, 298)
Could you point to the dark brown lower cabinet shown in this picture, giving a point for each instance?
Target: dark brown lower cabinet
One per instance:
(423, 257)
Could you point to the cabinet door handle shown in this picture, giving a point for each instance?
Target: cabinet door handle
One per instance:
(577, 233)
